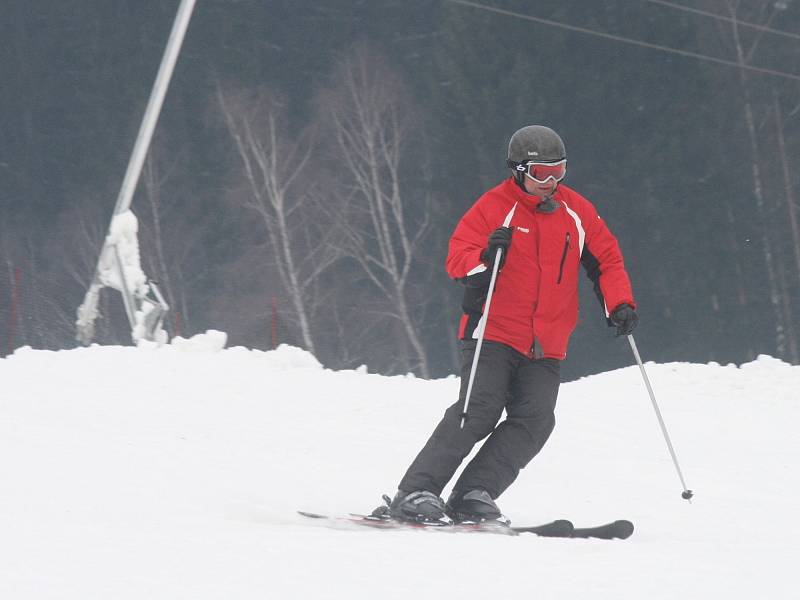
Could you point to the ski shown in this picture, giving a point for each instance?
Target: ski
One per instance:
(383, 522)
(560, 528)
(621, 530)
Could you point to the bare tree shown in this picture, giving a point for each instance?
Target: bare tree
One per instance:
(48, 271)
(153, 181)
(273, 159)
(743, 57)
(171, 243)
(748, 45)
(369, 114)
(788, 283)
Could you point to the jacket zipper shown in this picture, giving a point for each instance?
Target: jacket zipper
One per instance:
(563, 258)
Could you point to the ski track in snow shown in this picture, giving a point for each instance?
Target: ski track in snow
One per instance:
(176, 472)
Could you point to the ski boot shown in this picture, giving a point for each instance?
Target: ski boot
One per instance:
(416, 507)
(474, 506)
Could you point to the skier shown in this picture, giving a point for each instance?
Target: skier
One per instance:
(551, 229)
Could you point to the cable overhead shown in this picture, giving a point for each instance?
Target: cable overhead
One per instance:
(625, 40)
(705, 13)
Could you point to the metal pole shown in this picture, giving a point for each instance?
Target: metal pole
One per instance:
(687, 493)
(87, 311)
(481, 330)
(154, 105)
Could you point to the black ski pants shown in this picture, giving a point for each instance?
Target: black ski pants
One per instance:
(505, 379)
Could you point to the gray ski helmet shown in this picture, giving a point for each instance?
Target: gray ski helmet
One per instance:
(535, 142)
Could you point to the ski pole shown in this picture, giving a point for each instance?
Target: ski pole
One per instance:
(481, 330)
(687, 493)
(485, 318)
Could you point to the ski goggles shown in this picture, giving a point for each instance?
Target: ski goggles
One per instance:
(541, 172)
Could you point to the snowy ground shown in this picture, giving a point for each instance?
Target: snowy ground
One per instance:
(176, 473)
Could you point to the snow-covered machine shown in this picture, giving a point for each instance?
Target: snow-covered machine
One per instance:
(119, 268)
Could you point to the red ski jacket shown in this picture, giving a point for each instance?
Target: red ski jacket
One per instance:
(534, 307)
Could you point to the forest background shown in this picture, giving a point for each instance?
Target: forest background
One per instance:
(313, 157)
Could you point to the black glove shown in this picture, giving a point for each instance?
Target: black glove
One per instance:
(624, 317)
(499, 238)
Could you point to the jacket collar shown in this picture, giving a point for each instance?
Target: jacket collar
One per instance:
(510, 187)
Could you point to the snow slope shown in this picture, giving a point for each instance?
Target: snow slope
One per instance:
(175, 472)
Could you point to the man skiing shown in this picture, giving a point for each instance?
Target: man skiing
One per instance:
(544, 230)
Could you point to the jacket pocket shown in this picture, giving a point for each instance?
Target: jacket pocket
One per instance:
(563, 258)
